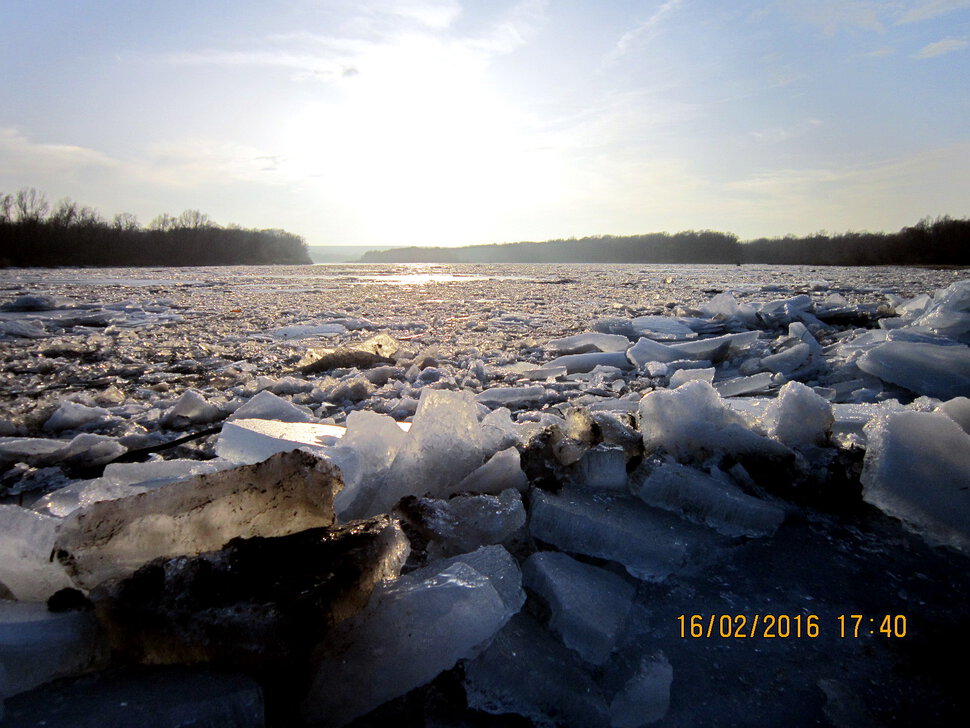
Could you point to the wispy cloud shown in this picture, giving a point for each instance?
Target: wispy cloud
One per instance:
(942, 47)
(19, 155)
(927, 9)
(643, 30)
(833, 15)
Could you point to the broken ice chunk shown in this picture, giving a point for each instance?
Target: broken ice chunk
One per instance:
(958, 410)
(755, 384)
(592, 341)
(493, 562)
(500, 472)
(412, 629)
(443, 445)
(649, 543)
(37, 645)
(662, 328)
(646, 696)
(510, 396)
(647, 350)
(682, 376)
(692, 422)
(589, 605)
(702, 499)
(917, 468)
(799, 416)
(289, 492)
(73, 415)
(788, 360)
(937, 371)
(949, 314)
(602, 467)
(527, 671)
(715, 348)
(465, 523)
(267, 406)
(258, 602)
(306, 331)
(191, 408)
(32, 450)
(582, 363)
(26, 541)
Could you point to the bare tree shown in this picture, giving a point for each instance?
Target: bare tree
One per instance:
(65, 213)
(125, 221)
(193, 219)
(31, 205)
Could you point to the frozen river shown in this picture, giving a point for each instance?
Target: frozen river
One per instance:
(625, 468)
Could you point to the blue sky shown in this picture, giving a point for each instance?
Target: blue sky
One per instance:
(447, 122)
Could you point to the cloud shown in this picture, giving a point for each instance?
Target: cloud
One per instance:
(643, 30)
(926, 10)
(833, 15)
(942, 47)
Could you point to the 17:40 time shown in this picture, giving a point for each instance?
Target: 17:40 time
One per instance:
(888, 625)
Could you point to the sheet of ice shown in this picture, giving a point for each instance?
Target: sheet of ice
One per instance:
(26, 541)
(715, 348)
(789, 360)
(543, 373)
(917, 468)
(290, 492)
(89, 449)
(785, 310)
(692, 421)
(494, 563)
(754, 384)
(510, 396)
(500, 472)
(582, 363)
(936, 371)
(649, 543)
(412, 629)
(682, 376)
(646, 696)
(706, 500)
(589, 605)
(37, 645)
(267, 406)
(591, 341)
(28, 449)
(306, 331)
(647, 350)
(799, 417)
(527, 671)
(662, 328)
(248, 441)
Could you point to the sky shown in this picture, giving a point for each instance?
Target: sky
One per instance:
(450, 122)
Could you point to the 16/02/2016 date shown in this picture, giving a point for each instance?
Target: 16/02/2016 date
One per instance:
(788, 626)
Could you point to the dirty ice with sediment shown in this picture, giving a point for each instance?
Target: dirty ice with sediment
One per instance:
(483, 495)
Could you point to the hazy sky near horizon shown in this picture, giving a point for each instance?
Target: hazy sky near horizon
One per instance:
(464, 121)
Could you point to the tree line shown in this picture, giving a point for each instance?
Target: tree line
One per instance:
(35, 233)
(684, 247)
(943, 241)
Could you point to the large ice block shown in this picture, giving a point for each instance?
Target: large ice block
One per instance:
(589, 605)
(693, 422)
(464, 523)
(267, 406)
(645, 698)
(37, 645)
(703, 499)
(26, 541)
(582, 363)
(412, 629)
(917, 468)
(289, 492)
(527, 671)
(936, 371)
(649, 543)
(799, 416)
(590, 341)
